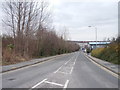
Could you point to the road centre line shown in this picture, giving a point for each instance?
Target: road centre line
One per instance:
(39, 83)
(53, 83)
(62, 65)
(73, 64)
(71, 70)
(66, 63)
(75, 60)
(69, 60)
(66, 84)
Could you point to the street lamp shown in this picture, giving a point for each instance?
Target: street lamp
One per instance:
(95, 34)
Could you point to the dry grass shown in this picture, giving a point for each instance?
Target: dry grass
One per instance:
(9, 57)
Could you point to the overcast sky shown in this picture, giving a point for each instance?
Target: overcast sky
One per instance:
(77, 15)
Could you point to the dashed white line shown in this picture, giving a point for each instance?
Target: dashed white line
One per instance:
(66, 84)
(53, 83)
(39, 83)
(62, 65)
(69, 60)
(73, 64)
(71, 70)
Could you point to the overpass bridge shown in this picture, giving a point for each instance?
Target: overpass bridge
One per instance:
(91, 44)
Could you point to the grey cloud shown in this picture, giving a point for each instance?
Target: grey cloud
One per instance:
(82, 14)
(86, 12)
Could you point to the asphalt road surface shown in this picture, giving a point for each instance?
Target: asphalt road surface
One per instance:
(73, 70)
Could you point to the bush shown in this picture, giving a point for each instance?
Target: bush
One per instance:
(109, 53)
(97, 52)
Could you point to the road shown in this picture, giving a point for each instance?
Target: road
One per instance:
(72, 70)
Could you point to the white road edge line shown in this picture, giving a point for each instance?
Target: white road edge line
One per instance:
(115, 75)
(66, 84)
(53, 83)
(39, 83)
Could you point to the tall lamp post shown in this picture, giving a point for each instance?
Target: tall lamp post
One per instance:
(95, 34)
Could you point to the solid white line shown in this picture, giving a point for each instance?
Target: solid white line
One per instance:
(66, 84)
(39, 83)
(115, 75)
(54, 83)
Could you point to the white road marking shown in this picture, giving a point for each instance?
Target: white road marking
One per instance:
(75, 59)
(73, 65)
(63, 72)
(53, 83)
(58, 69)
(71, 70)
(62, 65)
(68, 61)
(39, 83)
(66, 84)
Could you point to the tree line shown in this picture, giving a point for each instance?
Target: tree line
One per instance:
(30, 32)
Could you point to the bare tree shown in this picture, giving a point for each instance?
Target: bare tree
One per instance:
(32, 33)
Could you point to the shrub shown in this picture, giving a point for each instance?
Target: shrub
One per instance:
(97, 52)
(109, 53)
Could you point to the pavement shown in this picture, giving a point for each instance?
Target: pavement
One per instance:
(73, 70)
